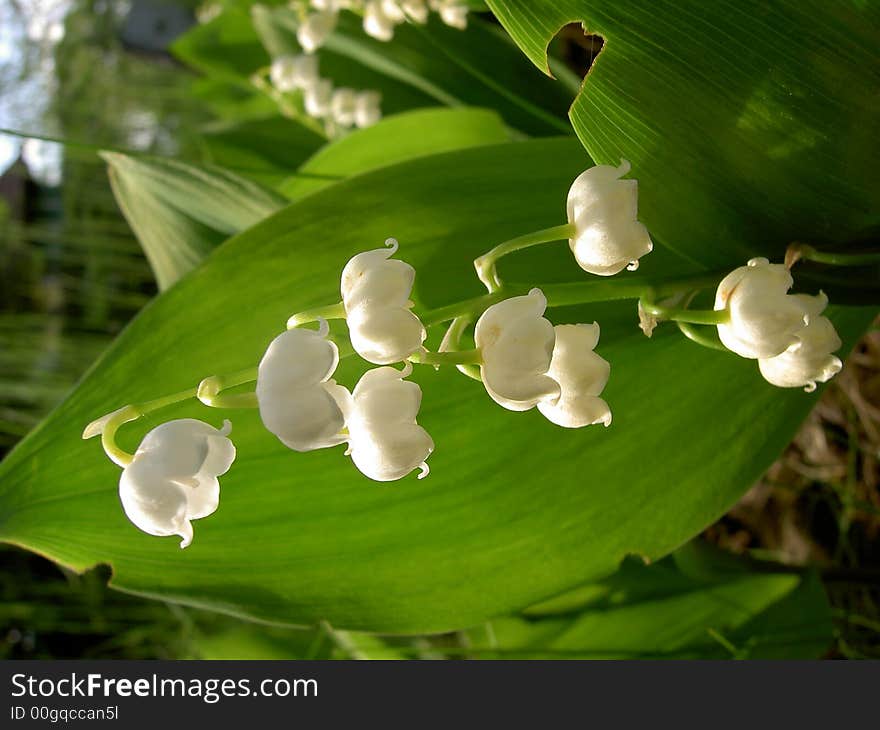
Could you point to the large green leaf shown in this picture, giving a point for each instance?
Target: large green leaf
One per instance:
(395, 139)
(515, 509)
(749, 124)
(180, 211)
(660, 611)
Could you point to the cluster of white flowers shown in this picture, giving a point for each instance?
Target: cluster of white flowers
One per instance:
(786, 333)
(339, 108)
(381, 17)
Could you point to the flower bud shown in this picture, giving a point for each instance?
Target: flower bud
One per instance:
(312, 32)
(172, 478)
(298, 401)
(603, 209)
(809, 359)
(317, 98)
(452, 12)
(375, 292)
(288, 73)
(385, 442)
(764, 319)
(367, 110)
(581, 374)
(377, 23)
(415, 10)
(516, 347)
(343, 106)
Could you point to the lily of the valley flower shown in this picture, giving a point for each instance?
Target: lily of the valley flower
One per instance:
(289, 73)
(452, 12)
(604, 210)
(299, 402)
(516, 346)
(377, 22)
(375, 293)
(343, 106)
(764, 319)
(313, 31)
(581, 374)
(318, 98)
(809, 360)
(172, 478)
(367, 108)
(415, 10)
(385, 442)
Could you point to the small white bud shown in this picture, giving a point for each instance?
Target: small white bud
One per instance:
(385, 442)
(343, 107)
(581, 374)
(289, 73)
(764, 319)
(375, 292)
(604, 209)
(452, 12)
(299, 402)
(317, 99)
(367, 109)
(313, 31)
(415, 10)
(377, 24)
(809, 359)
(173, 477)
(516, 346)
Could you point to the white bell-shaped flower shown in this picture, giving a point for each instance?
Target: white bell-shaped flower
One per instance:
(317, 98)
(385, 442)
(377, 23)
(299, 402)
(809, 360)
(375, 292)
(765, 320)
(173, 477)
(604, 211)
(367, 109)
(343, 107)
(289, 73)
(581, 374)
(415, 10)
(332, 5)
(313, 31)
(394, 10)
(516, 347)
(452, 12)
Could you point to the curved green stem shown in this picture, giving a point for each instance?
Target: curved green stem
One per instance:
(799, 250)
(458, 357)
(690, 316)
(486, 264)
(108, 425)
(331, 311)
(693, 334)
(209, 390)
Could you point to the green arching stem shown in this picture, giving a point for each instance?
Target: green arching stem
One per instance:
(451, 341)
(108, 425)
(799, 250)
(694, 334)
(486, 264)
(675, 314)
(209, 390)
(458, 357)
(331, 311)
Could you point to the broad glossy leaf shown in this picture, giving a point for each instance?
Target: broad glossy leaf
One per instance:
(749, 124)
(180, 212)
(515, 509)
(437, 64)
(266, 149)
(395, 139)
(660, 612)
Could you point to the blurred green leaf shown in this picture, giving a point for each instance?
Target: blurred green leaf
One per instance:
(658, 611)
(395, 139)
(180, 212)
(761, 116)
(515, 509)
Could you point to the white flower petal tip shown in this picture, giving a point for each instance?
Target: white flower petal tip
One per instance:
(385, 442)
(764, 319)
(376, 293)
(173, 477)
(289, 73)
(298, 400)
(516, 343)
(604, 211)
(809, 360)
(581, 374)
(312, 32)
(647, 322)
